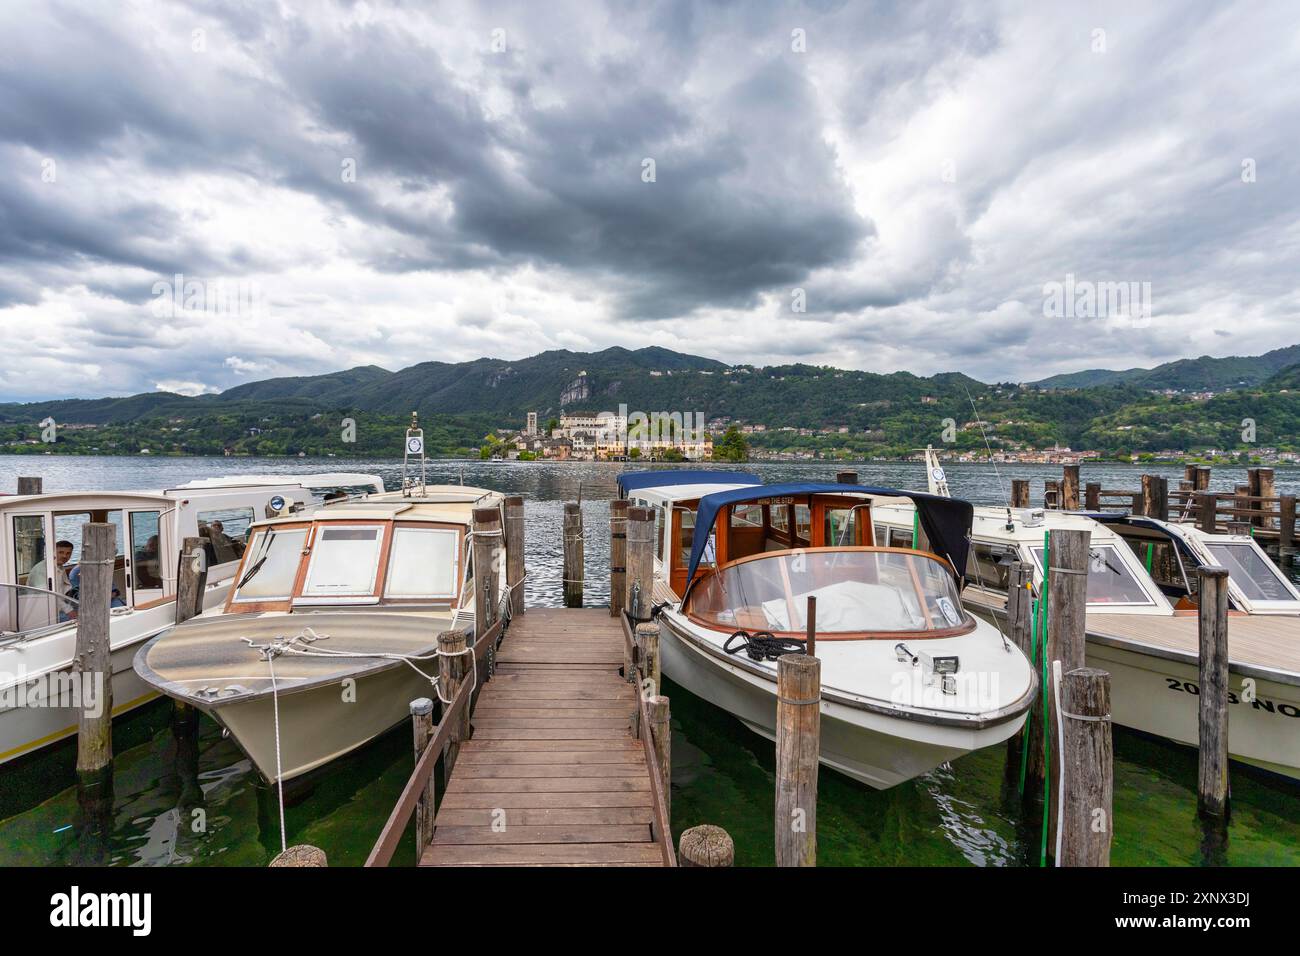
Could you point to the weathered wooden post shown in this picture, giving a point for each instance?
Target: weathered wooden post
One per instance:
(1092, 496)
(29, 485)
(422, 726)
(191, 584)
(1051, 494)
(1265, 487)
(453, 669)
(304, 854)
(1202, 477)
(1020, 492)
(515, 568)
(640, 562)
(1286, 527)
(1020, 628)
(486, 524)
(661, 740)
(798, 740)
(617, 556)
(1237, 527)
(1207, 517)
(1155, 497)
(93, 664)
(647, 642)
(1189, 474)
(1066, 632)
(846, 477)
(1212, 620)
(706, 845)
(1089, 766)
(1070, 488)
(573, 555)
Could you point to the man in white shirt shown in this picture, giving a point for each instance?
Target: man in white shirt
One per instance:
(54, 578)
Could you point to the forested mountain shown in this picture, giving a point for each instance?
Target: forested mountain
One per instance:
(1187, 375)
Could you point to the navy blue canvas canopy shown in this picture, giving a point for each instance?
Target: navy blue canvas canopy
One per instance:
(632, 480)
(947, 521)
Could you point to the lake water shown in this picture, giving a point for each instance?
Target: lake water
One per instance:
(200, 802)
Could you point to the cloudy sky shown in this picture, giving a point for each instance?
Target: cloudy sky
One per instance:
(351, 183)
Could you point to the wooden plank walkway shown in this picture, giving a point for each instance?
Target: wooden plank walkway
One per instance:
(552, 760)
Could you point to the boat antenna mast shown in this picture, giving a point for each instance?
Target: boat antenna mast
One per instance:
(935, 477)
(414, 448)
(1006, 498)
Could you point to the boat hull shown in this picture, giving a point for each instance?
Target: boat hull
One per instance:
(319, 724)
(1154, 692)
(876, 749)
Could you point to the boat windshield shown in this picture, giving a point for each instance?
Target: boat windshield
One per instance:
(1258, 578)
(271, 565)
(1110, 580)
(858, 590)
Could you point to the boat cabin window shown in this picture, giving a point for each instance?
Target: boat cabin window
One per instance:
(841, 527)
(1258, 578)
(803, 523)
(224, 533)
(989, 566)
(1109, 579)
(145, 552)
(859, 592)
(344, 561)
(271, 565)
(900, 539)
(423, 563)
(779, 516)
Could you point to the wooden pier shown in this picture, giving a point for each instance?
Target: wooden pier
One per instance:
(552, 775)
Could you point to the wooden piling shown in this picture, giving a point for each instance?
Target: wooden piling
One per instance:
(661, 740)
(706, 846)
(1067, 606)
(1155, 497)
(1020, 492)
(640, 562)
(1212, 620)
(617, 556)
(1020, 628)
(1286, 527)
(1202, 477)
(1266, 488)
(1092, 496)
(647, 642)
(573, 555)
(93, 664)
(487, 544)
(191, 584)
(29, 485)
(453, 669)
(1238, 527)
(1088, 763)
(846, 477)
(1052, 494)
(514, 541)
(1070, 488)
(422, 728)
(1207, 518)
(798, 738)
(304, 854)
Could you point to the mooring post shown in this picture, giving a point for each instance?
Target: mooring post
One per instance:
(1286, 527)
(573, 556)
(1066, 634)
(617, 556)
(422, 727)
(1020, 629)
(93, 664)
(1070, 488)
(661, 740)
(1155, 497)
(191, 583)
(514, 538)
(1212, 620)
(453, 668)
(1207, 517)
(304, 854)
(488, 541)
(647, 642)
(1265, 487)
(1020, 492)
(1189, 474)
(1092, 496)
(1088, 763)
(707, 846)
(640, 562)
(1202, 477)
(1237, 527)
(846, 477)
(1051, 493)
(30, 485)
(798, 742)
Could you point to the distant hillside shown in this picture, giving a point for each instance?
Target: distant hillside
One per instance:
(1199, 374)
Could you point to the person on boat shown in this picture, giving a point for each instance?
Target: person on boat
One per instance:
(54, 578)
(74, 592)
(225, 547)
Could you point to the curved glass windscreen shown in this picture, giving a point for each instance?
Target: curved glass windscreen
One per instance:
(271, 565)
(1258, 578)
(857, 590)
(1110, 579)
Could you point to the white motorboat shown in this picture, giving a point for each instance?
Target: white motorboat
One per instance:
(330, 629)
(39, 699)
(909, 679)
(1144, 631)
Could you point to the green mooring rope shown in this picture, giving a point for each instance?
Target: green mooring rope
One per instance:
(1038, 658)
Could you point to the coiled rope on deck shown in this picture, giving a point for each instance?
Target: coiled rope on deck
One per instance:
(763, 645)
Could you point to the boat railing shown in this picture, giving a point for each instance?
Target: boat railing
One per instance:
(27, 612)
